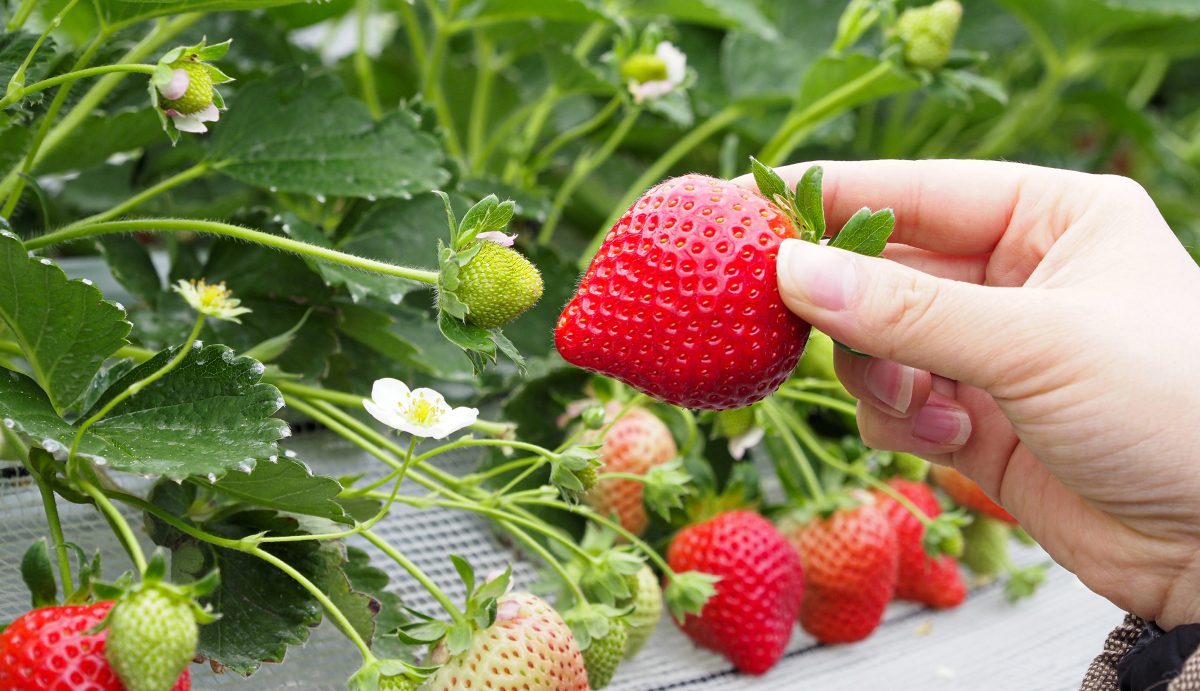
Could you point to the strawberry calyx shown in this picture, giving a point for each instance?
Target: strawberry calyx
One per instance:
(388, 675)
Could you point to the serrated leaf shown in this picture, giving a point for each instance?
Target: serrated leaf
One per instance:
(207, 416)
(304, 134)
(65, 328)
(391, 614)
(809, 202)
(38, 574)
(866, 233)
(286, 485)
(769, 183)
(263, 610)
(358, 607)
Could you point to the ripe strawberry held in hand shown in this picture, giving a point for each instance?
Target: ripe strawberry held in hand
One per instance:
(966, 493)
(932, 581)
(850, 564)
(635, 443)
(750, 618)
(681, 300)
(46, 649)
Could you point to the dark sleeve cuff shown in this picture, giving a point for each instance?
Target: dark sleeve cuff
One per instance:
(1158, 657)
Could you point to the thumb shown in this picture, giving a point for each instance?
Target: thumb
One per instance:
(964, 331)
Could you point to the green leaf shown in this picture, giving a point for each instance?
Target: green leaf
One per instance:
(304, 134)
(866, 233)
(466, 336)
(269, 349)
(465, 573)
(391, 613)
(809, 201)
(286, 485)
(753, 66)
(358, 607)
(262, 609)
(130, 264)
(38, 574)
(770, 184)
(458, 639)
(65, 328)
(101, 136)
(207, 416)
(485, 12)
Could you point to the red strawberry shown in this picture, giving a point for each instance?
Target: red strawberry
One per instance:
(750, 618)
(681, 300)
(850, 561)
(46, 650)
(966, 493)
(931, 581)
(634, 444)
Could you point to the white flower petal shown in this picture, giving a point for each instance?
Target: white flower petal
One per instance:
(188, 123)
(208, 114)
(650, 90)
(451, 422)
(497, 237)
(385, 415)
(739, 445)
(178, 85)
(675, 60)
(389, 393)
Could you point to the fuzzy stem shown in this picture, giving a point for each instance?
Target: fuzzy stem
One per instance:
(420, 576)
(55, 22)
(481, 98)
(70, 77)
(818, 399)
(141, 197)
(49, 505)
(226, 230)
(124, 532)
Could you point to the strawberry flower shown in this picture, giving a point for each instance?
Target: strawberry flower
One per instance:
(214, 300)
(654, 76)
(419, 412)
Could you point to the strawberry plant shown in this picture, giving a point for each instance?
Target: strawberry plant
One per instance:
(502, 232)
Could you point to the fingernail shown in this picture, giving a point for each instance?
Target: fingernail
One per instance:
(891, 383)
(942, 425)
(817, 275)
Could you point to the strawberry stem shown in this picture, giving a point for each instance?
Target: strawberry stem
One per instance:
(775, 414)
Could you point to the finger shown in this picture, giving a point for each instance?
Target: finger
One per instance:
(941, 426)
(893, 388)
(965, 268)
(897, 313)
(954, 207)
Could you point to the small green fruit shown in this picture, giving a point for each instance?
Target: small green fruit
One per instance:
(647, 610)
(199, 94)
(152, 637)
(986, 551)
(644, 67)
(928, 33)
(498, 285)
(604, 655)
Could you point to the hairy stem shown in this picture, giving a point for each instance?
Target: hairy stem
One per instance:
(362, 63)
(420, 576)
(71, 77)
(224, 229)
(145, 195)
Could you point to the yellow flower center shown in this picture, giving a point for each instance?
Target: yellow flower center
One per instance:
(212, 295)
(422, 411)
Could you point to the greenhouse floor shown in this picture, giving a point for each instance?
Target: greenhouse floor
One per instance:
(1042, 643)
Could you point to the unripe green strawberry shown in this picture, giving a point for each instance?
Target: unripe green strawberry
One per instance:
(199, 94)
(735, 422)
(647, 610)
(152, 637)
(928, 33)
(397, 683)
(498, 285)
(644, 67)
(604, 655)
(588, 477)
(986, 551)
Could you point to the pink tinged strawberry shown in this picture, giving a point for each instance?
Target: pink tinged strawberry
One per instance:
(528, 648)
(933, 581)
(851, 561)
(634, 444)
(750, 618)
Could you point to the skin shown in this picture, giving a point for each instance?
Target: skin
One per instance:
(1038, 330)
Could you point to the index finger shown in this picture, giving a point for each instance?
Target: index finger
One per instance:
(949, 206)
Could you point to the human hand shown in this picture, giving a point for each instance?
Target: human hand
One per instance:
(1060, 319)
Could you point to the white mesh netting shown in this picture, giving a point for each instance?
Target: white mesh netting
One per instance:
(1044, 643)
